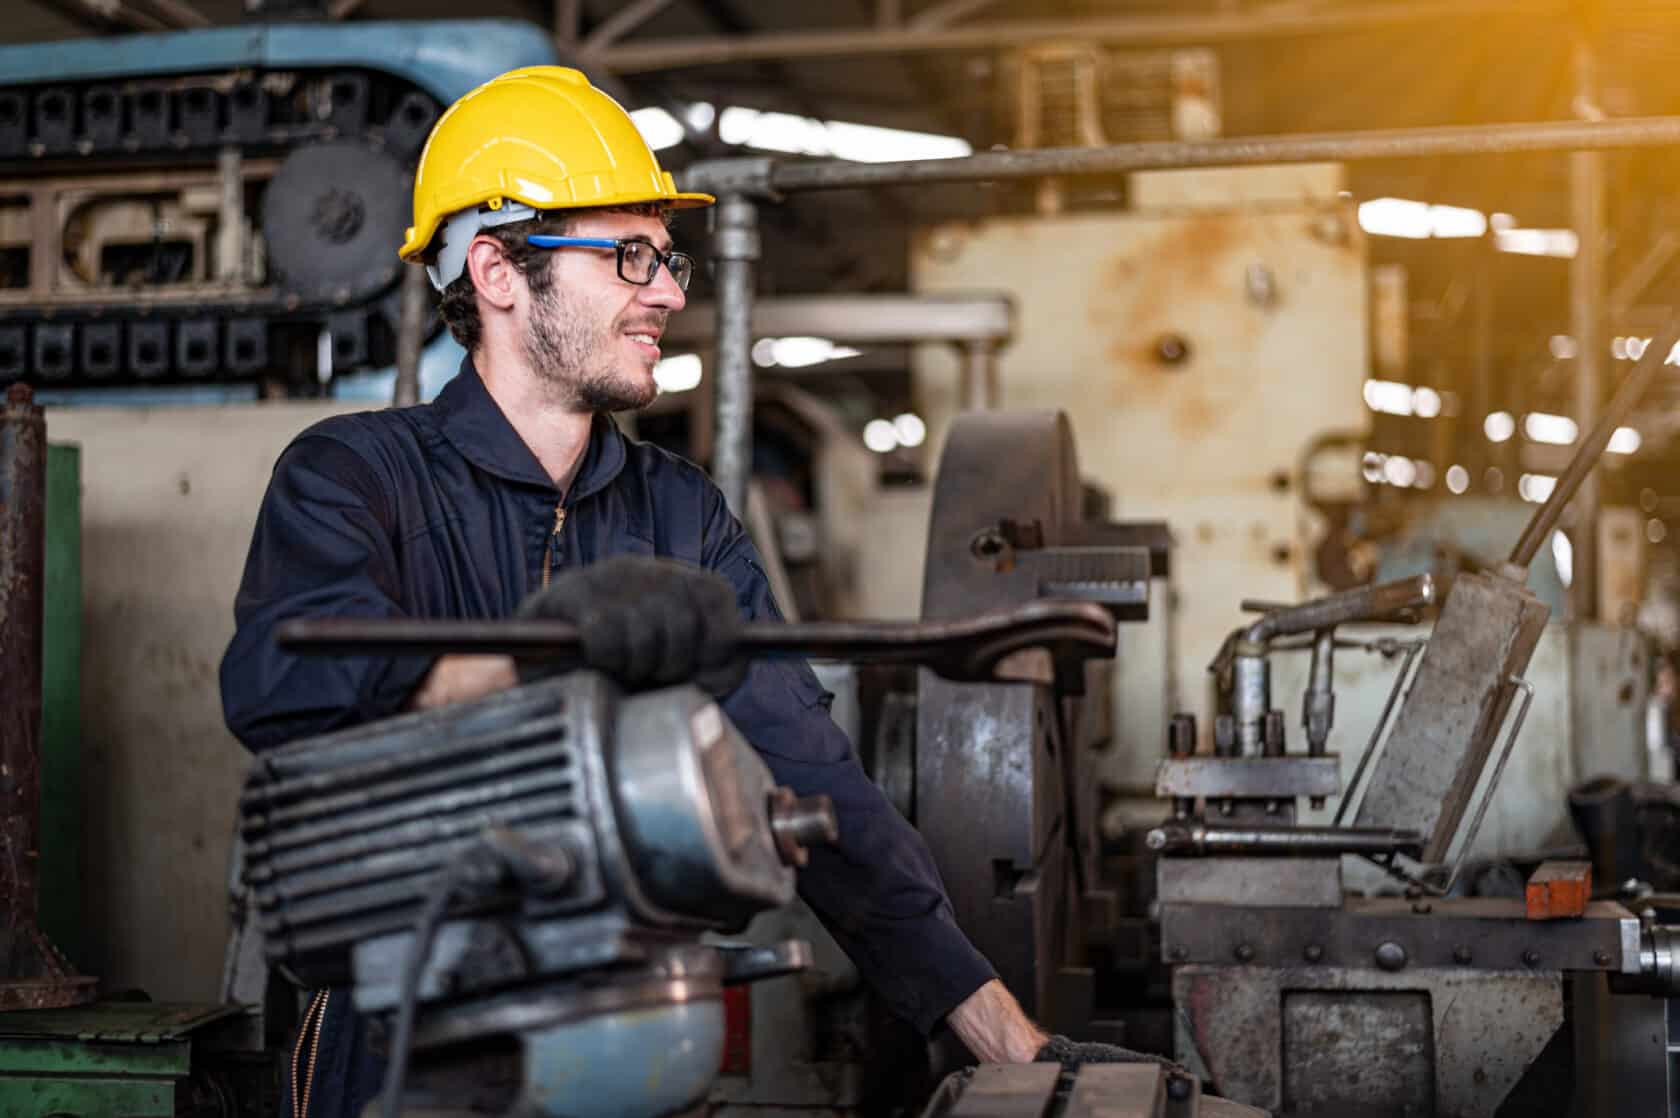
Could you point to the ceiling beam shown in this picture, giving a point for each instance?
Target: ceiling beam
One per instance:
(1144, 29)
(946, 13)
(105, 15)
(621, 23)
(179, 13)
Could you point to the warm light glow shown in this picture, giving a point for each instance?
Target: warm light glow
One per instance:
(1562, 347)
(1424, 474)
(678, 373)
(1626, 440)
(659, 128)
(1426, 402)
(1535, 487)
(1372, 467)
(1401, 217)
(910, 429)
(1558, 430)
(1499, 426)
(1656, 531)
(1458, 479)
(880, 436)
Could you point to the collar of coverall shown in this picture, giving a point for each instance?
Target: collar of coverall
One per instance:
(473, 422)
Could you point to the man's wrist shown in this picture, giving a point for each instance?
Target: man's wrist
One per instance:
(995, 1027)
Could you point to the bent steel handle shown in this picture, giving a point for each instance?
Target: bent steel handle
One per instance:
(1030, 643)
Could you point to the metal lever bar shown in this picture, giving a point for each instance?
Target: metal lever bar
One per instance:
(1527, 690)
(1592, 447)
(996, 646)
(1182, 837)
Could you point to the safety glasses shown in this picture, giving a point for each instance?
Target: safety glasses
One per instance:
(638, 261)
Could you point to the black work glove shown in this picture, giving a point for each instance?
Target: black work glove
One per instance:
(646, 622)
(1072, 1053)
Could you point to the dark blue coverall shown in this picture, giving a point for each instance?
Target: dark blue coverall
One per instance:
(442, 511)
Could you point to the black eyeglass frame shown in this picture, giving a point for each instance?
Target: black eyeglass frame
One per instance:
(670, 261)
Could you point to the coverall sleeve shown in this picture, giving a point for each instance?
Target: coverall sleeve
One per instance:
(878, 891)
(322, 548)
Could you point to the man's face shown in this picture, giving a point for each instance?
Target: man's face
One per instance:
(593, 337)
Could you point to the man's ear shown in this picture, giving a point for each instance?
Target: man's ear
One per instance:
(493, 276)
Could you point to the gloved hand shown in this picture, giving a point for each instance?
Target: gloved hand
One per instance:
(1072, 1053)
(646, 622)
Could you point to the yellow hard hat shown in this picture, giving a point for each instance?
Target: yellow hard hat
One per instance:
(541, 136)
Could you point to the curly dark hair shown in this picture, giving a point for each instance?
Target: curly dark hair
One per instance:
(459, 307)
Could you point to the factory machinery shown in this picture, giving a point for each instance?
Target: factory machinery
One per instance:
(220, 205)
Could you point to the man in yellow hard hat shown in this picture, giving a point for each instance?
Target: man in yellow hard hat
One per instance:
(540, 214)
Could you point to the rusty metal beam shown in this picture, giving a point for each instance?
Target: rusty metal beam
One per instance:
(1153, 29)
(621, 23)
(771, 177)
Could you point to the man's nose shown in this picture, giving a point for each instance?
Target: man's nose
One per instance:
(663, 293)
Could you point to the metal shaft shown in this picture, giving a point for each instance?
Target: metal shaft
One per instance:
(735, 246)
(1592, 447)
(411, 332)
(1586, 314)
(23, 503)
(1330, 147)
(1181, 837)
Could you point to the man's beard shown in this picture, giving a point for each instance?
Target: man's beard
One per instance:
(571, 357)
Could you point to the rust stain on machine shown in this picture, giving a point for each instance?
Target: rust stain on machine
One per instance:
(33, 974)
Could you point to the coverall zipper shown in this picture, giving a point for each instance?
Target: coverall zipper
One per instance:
(553, 547)
(314, 1019)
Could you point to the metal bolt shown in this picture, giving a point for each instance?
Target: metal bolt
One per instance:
(1179, 1088)
(1390, 956)
(1602, 958)
(1316, 803)
(1531, 958)
(1313, 953)
(1172, 349)
(1422, 908)
(1244, 953)
(1179, 953)
(1461, 956)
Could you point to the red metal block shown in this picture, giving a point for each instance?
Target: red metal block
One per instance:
(1559, 889)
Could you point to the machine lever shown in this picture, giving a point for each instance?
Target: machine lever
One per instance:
(1003, 645)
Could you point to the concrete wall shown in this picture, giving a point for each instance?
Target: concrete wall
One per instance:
(169, 496)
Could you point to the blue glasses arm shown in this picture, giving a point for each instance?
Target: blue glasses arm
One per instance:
(544, 240)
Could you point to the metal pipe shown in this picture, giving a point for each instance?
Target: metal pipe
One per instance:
(411, 332)
(1251, 698)
(1366, 603)
(735, 247)
(1182, 837)
(1592, 447)
(1318, 706)
(1586, 314)
(23, 563)
(772, 177)
(980, 389)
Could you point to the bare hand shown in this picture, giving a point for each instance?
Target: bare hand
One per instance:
(995, 1027)
(461, 679)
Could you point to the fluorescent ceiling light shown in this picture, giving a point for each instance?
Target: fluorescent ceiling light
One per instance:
(678, 373)
(797, 353)
(659, 128)
(1559, 430)
(1388, 396)
(1402, 217)
(910, 429)
(803, 135)
(1458, 479)
(1499, 426)
(1537, 242)
(1535, 487)
(1626, 440)
(880, 435)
